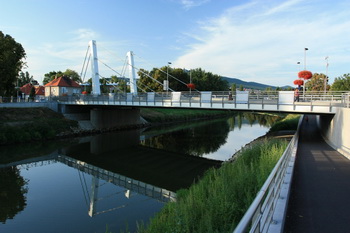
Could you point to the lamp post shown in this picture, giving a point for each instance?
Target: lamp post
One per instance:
(167, 77)
(305, 58)
(298, 63)
(325, 79)
(305, 49)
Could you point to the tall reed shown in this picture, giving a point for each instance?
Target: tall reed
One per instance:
(219, 200)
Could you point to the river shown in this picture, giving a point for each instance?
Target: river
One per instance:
(111, 181)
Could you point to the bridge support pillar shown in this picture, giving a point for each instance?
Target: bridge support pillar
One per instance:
(104, 118)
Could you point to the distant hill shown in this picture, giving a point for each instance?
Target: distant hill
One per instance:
(249, 85)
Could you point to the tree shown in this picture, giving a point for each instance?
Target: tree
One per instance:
(121, 84)
(341, 83)
(12, 57)
(72, 75)
(48, 77)
(207, 81)
(233, 87)
(24, 78)
(32, 93)
(241, 87)
(13, 193)
(179, 78)
(316, 83)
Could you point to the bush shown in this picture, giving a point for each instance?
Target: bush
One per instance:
(290, 122)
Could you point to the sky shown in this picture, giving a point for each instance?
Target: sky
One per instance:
(259, 40)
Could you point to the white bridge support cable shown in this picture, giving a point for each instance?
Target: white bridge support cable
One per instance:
(94, 69)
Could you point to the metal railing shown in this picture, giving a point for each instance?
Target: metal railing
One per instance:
(264, 100)
(267, 212)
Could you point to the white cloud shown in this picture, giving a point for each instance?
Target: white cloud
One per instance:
(188, 4)
(260, 42)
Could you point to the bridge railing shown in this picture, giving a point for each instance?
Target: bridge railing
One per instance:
(268, 210)
(215, 99)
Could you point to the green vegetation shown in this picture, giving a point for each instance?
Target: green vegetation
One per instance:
(12, 57)
(73, 75)
(290, 122)
(161, 115)
(341, 83)
(316, 83)
(219, 200)
(204, 81)
(31, 124)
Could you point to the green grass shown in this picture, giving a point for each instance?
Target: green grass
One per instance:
(219, 200)
(31, 124)
(160, 115)
(290, 122)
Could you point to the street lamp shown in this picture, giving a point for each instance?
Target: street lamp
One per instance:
(305, 49)
(305, 58)
(325, 80)
(167, 77)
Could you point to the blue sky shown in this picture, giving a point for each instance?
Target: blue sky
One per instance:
(259, 40)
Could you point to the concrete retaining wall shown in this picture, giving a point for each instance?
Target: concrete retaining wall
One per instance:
(110, 118)
(52, 105)
(336, 130)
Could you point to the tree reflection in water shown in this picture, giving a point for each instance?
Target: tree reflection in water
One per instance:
(197, 140)
(13, 189)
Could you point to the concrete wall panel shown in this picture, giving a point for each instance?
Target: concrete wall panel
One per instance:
(336, 130)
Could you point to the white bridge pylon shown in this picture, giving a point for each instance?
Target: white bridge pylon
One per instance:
(96, 90)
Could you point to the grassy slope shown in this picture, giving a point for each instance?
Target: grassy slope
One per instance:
(219, 200)
(161, 115)
(28, 124)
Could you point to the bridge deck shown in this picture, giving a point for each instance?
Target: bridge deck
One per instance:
(319, 199)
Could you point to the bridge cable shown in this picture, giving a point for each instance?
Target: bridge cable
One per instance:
(82, 68)
(84, 191)
(110, 68)
(124, 68)
(167, 73)
(86, 68)
(119, 74)
(126, 62)
(151, 77)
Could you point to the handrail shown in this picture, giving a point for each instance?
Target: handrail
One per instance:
(260, 215)
(315, 102)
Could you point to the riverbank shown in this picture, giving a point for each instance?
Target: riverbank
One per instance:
(19, 125)
(165, 115)
(31, 124)
(283, 129)
(219, 200)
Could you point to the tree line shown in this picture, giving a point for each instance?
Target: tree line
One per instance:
(12, 62)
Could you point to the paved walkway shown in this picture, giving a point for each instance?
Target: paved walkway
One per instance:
(320, 193)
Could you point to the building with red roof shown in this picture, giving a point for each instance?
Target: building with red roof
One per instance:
(39, 90)
(62, 86)
(26, 88)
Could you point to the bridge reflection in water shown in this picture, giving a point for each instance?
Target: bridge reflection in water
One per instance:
(118, 159)
(129, 184)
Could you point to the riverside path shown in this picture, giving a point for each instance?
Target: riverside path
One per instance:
(319, 199)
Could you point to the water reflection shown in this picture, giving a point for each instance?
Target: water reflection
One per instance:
(13, 190)
(131, 172)
(124, 177)
(130, 185)
(201, 138)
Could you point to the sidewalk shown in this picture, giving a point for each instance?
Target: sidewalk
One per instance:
(320, 193)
